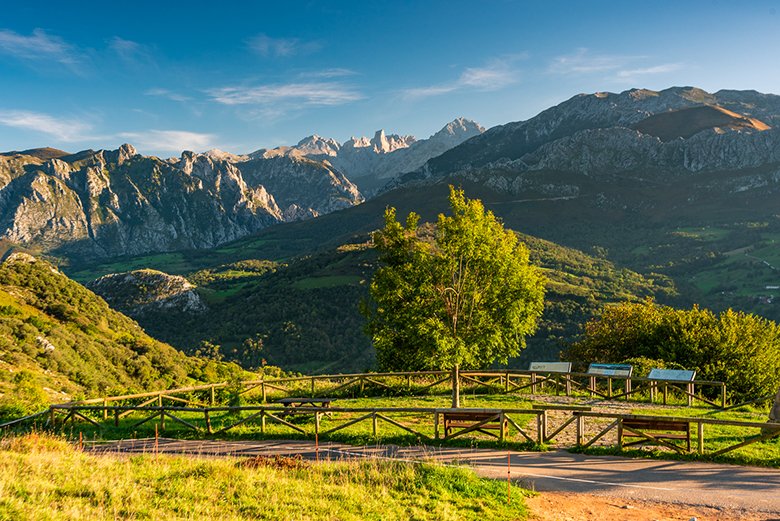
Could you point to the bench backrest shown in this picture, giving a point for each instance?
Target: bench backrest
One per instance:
(474, 416)
(659, 425)
(618, 370)
(550, 367)
(672, 374)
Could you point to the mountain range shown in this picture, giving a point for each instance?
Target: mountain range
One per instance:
(110, 203)
(673, 193)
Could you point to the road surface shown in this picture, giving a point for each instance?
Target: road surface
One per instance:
(713, 485)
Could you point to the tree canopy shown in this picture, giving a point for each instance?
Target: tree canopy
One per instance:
(462, 294)
(738, 348)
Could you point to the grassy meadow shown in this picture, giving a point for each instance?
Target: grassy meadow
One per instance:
(44, 477)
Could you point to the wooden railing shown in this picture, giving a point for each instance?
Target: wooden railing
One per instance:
(766, 430)
(497, 381)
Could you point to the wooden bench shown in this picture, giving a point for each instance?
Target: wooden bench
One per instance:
(654, 431)
(475, 422)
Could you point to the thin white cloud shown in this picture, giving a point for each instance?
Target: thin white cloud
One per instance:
(301, 94)
(267, 46)
(615, 67)
(131, 53)
(40, 47)
(61, 129)
(496, 75)
(582, 61)
(168, 94)
(170, 140)
(647, 71)
(336, 72)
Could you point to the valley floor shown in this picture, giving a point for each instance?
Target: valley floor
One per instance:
(573, 486)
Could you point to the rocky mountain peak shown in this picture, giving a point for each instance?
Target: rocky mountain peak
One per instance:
(457, 131)
(120, 155)
(317, 145)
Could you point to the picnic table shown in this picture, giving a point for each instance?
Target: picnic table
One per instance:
(292, 403)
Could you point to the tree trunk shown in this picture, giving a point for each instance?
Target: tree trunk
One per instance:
(456, 386)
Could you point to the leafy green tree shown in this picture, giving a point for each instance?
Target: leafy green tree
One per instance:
(461, 295)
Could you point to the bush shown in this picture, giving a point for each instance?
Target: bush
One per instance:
(737, 348)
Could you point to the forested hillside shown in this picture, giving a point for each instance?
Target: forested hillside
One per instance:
(58, 336)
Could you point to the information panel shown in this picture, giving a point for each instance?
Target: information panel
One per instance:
(672, 374)
(617, 370)
(550, 367)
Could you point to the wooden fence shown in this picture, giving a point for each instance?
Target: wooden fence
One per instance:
(529, 425)
(419, 382)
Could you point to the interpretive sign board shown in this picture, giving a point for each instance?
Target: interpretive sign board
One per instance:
(616, 370)
(681, 375)
(550, 367)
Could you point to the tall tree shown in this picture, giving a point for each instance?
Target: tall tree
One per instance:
(458, 296)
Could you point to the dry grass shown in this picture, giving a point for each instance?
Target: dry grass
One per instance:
(42, 477)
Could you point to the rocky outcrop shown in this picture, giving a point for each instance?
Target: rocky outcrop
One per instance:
(141, 292)
(109, 203)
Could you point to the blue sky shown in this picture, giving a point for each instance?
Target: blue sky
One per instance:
(239, 76)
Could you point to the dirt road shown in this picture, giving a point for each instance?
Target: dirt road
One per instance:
(728, 491)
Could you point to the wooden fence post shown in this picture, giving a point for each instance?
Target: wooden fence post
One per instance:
(373, 423)
(212, 395)
(312, 386)
(435, 425)
(620, 433)
(700, 436)
(691, 390)
(580, 429)
(723, 395)
(533, 383)
(208, 420)
(105, 409)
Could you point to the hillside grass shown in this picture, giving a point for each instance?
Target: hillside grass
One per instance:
(43, 477)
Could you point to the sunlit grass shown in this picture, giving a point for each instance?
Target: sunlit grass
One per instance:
(43, 477)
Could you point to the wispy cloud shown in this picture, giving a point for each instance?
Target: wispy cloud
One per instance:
(302, 94)
(496, 75)
(647, 71)
(170, 140)
(61, 129)
(267, 46)
(618, 67)
(168, 94)
(41, 47)
(336, 72)
(131, 53)
(582, 61)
